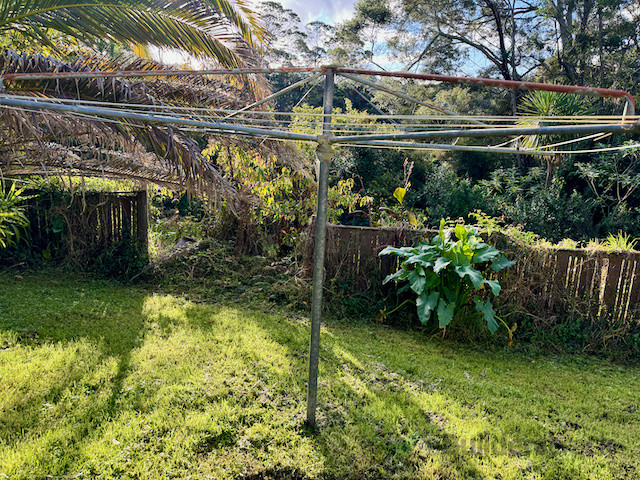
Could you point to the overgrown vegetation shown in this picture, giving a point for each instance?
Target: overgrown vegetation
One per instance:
(79, 226)
(103, 381)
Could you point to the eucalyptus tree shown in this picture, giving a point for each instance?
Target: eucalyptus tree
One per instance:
(595, 42)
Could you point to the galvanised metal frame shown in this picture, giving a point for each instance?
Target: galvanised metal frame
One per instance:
(326, 139)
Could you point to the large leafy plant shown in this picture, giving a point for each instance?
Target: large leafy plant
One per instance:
(13, 220)
(447, 274)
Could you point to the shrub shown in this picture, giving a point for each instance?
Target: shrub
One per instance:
(447, 275)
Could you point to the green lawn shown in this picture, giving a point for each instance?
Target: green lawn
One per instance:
(98, 380)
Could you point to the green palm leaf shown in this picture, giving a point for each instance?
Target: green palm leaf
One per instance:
(226, 30)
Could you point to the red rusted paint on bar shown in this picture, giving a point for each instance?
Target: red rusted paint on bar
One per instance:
(489, 82)
(492, 82)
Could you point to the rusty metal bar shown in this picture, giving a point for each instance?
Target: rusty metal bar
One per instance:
(511, 84)
(488, 82)
(402, 95)
(154, 73)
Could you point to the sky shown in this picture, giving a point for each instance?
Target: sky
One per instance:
(328, 11)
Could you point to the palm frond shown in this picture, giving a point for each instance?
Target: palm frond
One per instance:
(50, 139)
(227, 30)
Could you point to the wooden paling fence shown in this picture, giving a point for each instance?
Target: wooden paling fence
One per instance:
(544, 283)
(73, 225)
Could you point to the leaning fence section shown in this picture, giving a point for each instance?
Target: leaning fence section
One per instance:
(545, 282)
(74, 226)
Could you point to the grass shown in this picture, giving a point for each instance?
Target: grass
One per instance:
(100, 380)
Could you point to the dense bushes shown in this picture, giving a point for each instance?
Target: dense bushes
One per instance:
(582, 202)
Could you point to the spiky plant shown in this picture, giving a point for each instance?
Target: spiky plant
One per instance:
(13, 220)
(550, 104)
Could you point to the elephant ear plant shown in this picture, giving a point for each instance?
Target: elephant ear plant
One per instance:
(447, 275)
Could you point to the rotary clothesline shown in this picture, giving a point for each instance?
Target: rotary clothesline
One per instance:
(262, 124)
(383, 135)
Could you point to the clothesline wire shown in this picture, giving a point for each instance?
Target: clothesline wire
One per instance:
(496, 118)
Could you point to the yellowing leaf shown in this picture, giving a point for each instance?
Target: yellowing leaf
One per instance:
(413, 221)
(399, 194)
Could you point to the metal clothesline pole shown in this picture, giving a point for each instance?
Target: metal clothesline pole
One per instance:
(324, 155)
(444, 146)
(630, 127)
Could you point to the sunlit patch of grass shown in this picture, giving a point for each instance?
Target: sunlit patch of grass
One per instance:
(98, 380)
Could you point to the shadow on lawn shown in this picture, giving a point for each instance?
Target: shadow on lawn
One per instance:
(372, 424)
(90, 324)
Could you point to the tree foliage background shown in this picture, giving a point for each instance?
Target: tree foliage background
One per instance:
(581, 42)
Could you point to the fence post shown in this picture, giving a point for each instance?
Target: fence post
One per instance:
(143, 220)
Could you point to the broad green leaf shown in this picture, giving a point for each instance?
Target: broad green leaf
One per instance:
(416, 281)
(432, 280)
(487, 313)
(445, 312)
(413, 221)
(485, 254)
(420, 301)
(424, 259)
(501, 262)
(494, 285)
(457, 255)
(401, 252)
(440, 264)
(399, 194)
(425, 305)
(461, 233)
(450, 294)
(468, 252)
(395, 276)
(474, 275)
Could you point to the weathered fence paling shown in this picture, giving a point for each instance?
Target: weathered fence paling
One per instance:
(599, 284)
(88, 221)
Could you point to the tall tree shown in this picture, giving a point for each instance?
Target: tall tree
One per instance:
(495, 37)
(499, 35)
(596, 42)
(290, 42)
